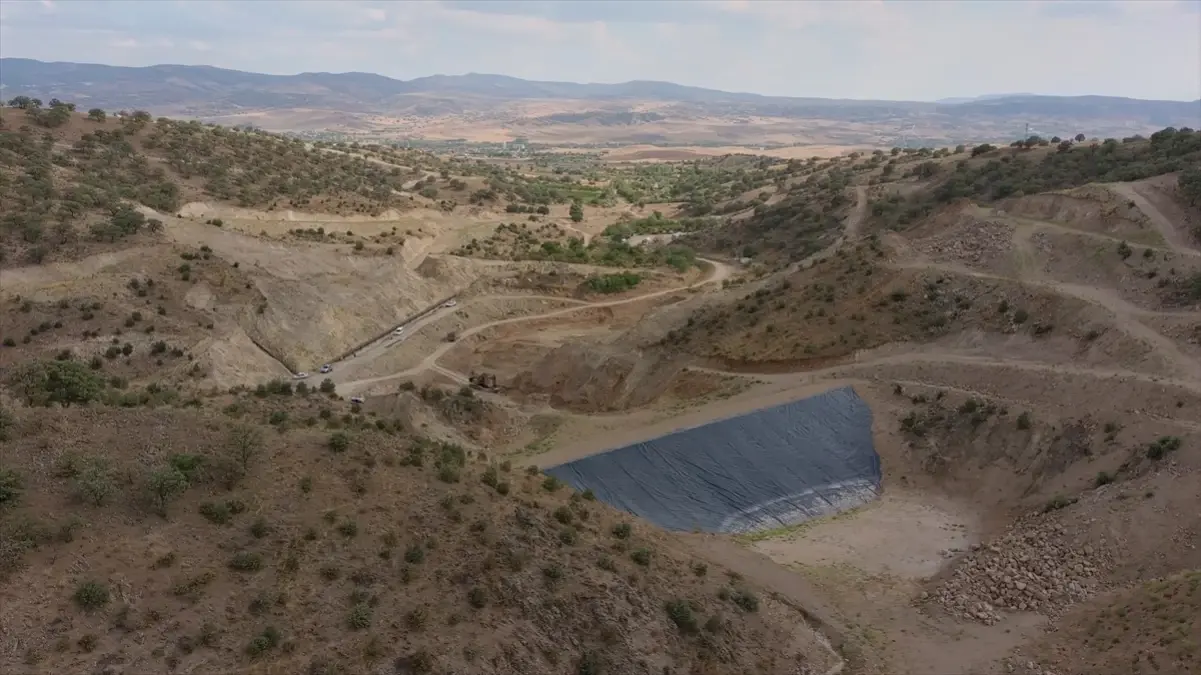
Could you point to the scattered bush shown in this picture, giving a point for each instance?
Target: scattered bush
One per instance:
(10, 487)
(91, 595)
(360, 616)
(246, 562)
(339, 441)
(1162, 446)
(264, 642)
(681, 614)
(641, 556)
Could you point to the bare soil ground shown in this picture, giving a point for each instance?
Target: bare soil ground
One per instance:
(345, 550)
(1058, 406)
(902, 534)
(1032, 371)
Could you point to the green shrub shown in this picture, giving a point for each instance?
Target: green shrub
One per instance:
(91, 595)
(745, 600)
(218, 514)
(415, 554)
(63, 382)
(681, 614)
(1162, 446)
(339, 441)
(614, 283)
(360, 616)
(260, 529)
(477, 597)
(264, 642)
(1058, 502)
(246, 562)
(94, 481)
(11, 485)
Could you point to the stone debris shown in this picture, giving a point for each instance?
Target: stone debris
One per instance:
(970, 241)
(1034, 567)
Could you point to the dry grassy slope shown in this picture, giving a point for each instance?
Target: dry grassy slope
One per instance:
(1154, 627)
(138, 299)
(350, 561)
(854, 302)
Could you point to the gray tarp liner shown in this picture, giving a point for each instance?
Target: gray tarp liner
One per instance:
(769, 468)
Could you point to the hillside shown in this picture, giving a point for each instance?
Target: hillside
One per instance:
(269, 406)
(343, 551)
(495, 107)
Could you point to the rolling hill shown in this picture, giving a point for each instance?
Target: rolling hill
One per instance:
(502, 106)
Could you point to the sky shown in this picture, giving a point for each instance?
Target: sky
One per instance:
(866, 49)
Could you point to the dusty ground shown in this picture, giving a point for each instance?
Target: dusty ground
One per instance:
(1022, 364)
(923, 539)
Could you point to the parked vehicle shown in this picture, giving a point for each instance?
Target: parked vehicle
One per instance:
(450, 303)
(356, 399)
(300, 375)
(399, 330)
(326, 369)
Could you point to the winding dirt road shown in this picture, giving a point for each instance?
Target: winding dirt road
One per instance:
(1175, 238)
(344, 369)
(851, 227)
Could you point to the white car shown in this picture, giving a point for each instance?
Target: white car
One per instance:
(399, 330)
(300, 376)
(450, 303)
(326, 368)
(356, 399)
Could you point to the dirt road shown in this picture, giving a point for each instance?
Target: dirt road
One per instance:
(1125, 315)
(1175, 238)
(851, 228)
(345, 370)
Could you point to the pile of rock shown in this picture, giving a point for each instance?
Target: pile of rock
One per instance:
(970, 241)
(1034, 567)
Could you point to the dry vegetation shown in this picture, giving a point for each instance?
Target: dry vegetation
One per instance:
(1025, 330)
(245, 550)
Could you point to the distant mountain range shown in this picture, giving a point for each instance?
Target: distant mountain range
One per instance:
(984, 97)
(208, 92)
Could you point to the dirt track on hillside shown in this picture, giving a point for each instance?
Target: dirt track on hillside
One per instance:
(361, 361)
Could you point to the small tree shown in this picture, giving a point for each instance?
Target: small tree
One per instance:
(1189, 185)
(10, 487)
(981, 149)
(244, 444)
(91, 595)
(1079, 138)
(62, 382)
(576, 212)
(164, 485)
(339, 441)
(94, 481)
(97, 115)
